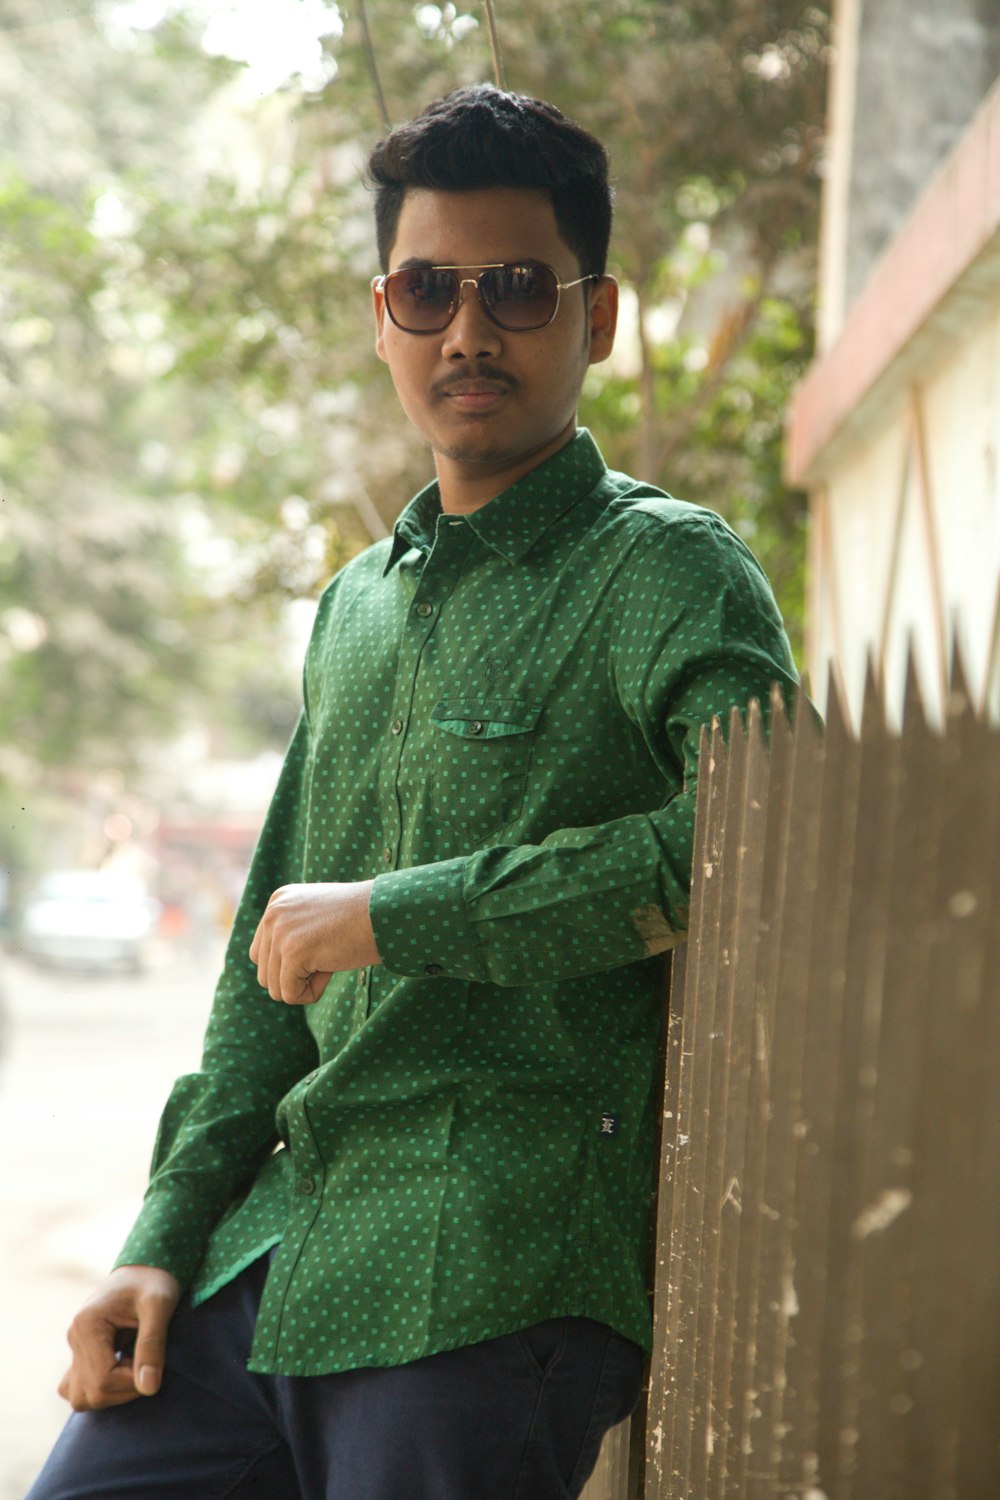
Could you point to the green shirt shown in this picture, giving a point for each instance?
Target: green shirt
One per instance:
(501, 724)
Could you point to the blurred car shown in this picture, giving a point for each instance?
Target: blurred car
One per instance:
(88, 919)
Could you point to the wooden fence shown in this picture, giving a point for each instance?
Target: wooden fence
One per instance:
(827, 1282)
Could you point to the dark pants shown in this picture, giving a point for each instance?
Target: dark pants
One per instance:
(519, 1417)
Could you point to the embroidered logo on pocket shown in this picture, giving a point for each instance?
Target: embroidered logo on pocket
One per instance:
(497, 668)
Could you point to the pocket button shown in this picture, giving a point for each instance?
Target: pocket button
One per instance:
(476, 727)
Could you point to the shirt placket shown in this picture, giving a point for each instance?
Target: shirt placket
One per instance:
(438, 577)
(303, 1210)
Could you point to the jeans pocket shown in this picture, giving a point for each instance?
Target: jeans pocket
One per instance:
(619, 1388)
(542, 1344)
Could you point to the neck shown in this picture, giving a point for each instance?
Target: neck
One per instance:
(466, 487)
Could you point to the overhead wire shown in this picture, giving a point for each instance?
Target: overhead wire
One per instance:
(499, 75)
(366, 37)
(491, 25)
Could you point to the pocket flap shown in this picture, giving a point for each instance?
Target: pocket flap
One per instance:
(486, 718)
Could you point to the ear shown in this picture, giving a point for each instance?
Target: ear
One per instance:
(603, 319)
(378, 303)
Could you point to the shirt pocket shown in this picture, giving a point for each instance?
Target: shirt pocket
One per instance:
(482, 753)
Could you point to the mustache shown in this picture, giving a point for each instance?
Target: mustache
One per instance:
(481, 370)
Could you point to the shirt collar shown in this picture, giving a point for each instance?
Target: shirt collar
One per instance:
(513, 521)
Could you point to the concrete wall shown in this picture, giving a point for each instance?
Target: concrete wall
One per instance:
(923, 67)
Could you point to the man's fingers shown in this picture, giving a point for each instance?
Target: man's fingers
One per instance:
(259, 952)
(95, 1378)
(115, 1389)
(139, 1298)
(296, 988)
(151, 1343)
(317, 983)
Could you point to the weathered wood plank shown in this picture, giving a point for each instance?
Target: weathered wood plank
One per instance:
(714, 1076)
(735, 1104)
(654, 1483)
(883, 1230)
(745, 1411)
(792, 935)
(610, 1479)
(979, 1429)
(824, 1000)
(694, 1126)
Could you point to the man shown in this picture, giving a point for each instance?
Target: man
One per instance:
(421, 1177)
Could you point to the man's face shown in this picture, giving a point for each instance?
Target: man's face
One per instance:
(492, 404)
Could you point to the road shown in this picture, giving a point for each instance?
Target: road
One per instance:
(87, 1062)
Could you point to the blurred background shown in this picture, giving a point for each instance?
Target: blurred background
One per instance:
(195, 434)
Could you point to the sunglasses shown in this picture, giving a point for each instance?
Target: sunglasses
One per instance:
(518, 296)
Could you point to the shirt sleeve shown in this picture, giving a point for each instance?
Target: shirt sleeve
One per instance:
(218, 1124)
(698, 633)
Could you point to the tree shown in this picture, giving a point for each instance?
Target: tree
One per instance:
(101, 608)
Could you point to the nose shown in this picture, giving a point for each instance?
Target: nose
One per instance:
(470, 334)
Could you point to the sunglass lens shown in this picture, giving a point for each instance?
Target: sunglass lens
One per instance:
(520, 296)
(421, 300)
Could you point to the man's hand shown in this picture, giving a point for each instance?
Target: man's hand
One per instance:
(139, 1297)
(309, 932)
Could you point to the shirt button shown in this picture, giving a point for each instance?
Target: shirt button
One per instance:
(306, 1186)
(311, 1077)
(397, 726)
(433, 968)
(476, 727)
(423, 610)
(387, 855)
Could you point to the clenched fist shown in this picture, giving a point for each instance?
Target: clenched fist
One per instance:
(309, 932)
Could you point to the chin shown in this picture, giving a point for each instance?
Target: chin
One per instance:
(483, 452)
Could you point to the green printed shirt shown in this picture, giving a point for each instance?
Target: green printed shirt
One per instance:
(501, 725)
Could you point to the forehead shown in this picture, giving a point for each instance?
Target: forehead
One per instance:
(478, 227)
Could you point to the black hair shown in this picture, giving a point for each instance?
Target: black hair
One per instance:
(482, 137)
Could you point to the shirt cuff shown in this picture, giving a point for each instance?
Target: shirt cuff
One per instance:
(169, 1233)
(421, 924)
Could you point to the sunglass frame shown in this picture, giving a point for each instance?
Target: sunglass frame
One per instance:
(381, 283)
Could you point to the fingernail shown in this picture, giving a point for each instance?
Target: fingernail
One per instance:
(149, 1380)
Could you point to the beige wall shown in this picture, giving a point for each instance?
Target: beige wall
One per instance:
(906, 540)
(896, 434)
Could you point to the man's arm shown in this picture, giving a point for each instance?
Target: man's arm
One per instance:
(218, 1125)
(583, 899)
(698, 634)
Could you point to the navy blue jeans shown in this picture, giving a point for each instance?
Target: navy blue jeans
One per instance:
(519, 1417)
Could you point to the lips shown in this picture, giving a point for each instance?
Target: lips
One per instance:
(474, 390)
(476, 398)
